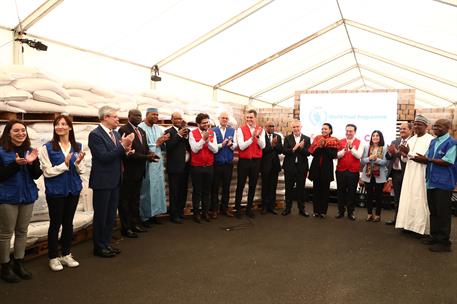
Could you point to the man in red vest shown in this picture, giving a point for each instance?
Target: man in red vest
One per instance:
(203, 146)
(251, 141)
(347, 171)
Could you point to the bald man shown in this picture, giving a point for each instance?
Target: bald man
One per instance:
(270, 168)
(441, 181)
(178, 166)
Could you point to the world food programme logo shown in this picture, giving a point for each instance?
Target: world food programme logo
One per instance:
(317, 116)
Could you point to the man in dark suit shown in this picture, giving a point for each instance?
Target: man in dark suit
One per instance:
(296, 167)
(134, 170)
(178, 156)
(108, 149)
(270, 168)
(397, 165)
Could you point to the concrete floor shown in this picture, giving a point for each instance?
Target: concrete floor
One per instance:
(275, 259)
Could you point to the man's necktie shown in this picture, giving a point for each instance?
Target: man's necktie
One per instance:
(111, 134)
(139, 135)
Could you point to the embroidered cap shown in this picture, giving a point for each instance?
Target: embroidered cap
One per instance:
(422, 119)
(152, 110)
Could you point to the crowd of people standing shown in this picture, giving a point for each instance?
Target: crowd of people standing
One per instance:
(128, 176)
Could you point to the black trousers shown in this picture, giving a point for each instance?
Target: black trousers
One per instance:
(177, 191)
(321, 192)
(439, 204)
(374, 193)
(129, 204)
(105, 205)
(246, 168)
(222, 178)
(202, 178)
(397, 181)
(294, 177)
(61, 213)
(269, 186)
(346, 189)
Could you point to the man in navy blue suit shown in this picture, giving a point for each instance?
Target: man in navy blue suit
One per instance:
(107, 148)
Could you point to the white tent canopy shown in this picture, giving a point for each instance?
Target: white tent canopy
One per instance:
(261, 50)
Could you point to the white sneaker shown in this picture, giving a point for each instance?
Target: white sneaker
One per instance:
(55, 264)
(69, 261)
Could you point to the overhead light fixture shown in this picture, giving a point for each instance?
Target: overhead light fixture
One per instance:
(155, 76)
(38, 45)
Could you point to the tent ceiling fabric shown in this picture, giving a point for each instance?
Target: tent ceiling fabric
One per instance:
(266, 49)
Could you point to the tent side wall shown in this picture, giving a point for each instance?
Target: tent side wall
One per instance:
(6, 46)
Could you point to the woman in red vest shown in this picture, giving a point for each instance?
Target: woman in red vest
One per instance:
(324, 149)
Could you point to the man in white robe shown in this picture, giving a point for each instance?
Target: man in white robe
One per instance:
(152, 199)
(413, 213)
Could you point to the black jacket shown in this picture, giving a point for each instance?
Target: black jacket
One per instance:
(270, 155)
(300, 154)
(135, 164)
(176, 148)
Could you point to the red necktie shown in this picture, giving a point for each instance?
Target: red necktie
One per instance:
(139, 135)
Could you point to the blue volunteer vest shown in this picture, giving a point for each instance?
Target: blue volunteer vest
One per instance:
(69, 182)
(439, 176)
(20, 187)
(225, 154)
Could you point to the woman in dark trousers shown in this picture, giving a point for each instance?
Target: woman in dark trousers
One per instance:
(19, 166)
(323, 149)
(60, 161)
(374, 173)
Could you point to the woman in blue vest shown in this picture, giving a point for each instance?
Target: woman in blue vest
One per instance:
(61, 164)
(19, 166)
(374, 173)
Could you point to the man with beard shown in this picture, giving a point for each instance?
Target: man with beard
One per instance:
(152, 198)
(397, 165)
(203, 146)
(413, 214)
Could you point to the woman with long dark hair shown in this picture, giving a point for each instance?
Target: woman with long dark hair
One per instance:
(61, 163)
(19, 166)
(324, 149)
(374, 173)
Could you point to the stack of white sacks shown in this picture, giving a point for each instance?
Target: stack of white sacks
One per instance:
(29, 90)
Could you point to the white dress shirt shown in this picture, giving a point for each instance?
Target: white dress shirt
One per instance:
(243, 145)
(357, 153)
(49, 170)
(234, 144)
(197, 146)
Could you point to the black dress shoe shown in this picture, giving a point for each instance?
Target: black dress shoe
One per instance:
(264, 211)
(205, 216)
(139, 229)
(155, 221)
(285, 212)
(238, 215)
(390, 223)
(176, 220)
(303, 213)
(114, 250)
(104, 253)
(272, 211)
(129, 234)
(351, 217)
(146, 224)
(250, 213)
(197, 219)
(438, 247)
(339, 215)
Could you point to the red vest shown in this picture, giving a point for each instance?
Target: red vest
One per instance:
(204, 157)
(253, 151)
(348, 161)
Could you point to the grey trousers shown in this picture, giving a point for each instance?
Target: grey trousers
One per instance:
(14, 218)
